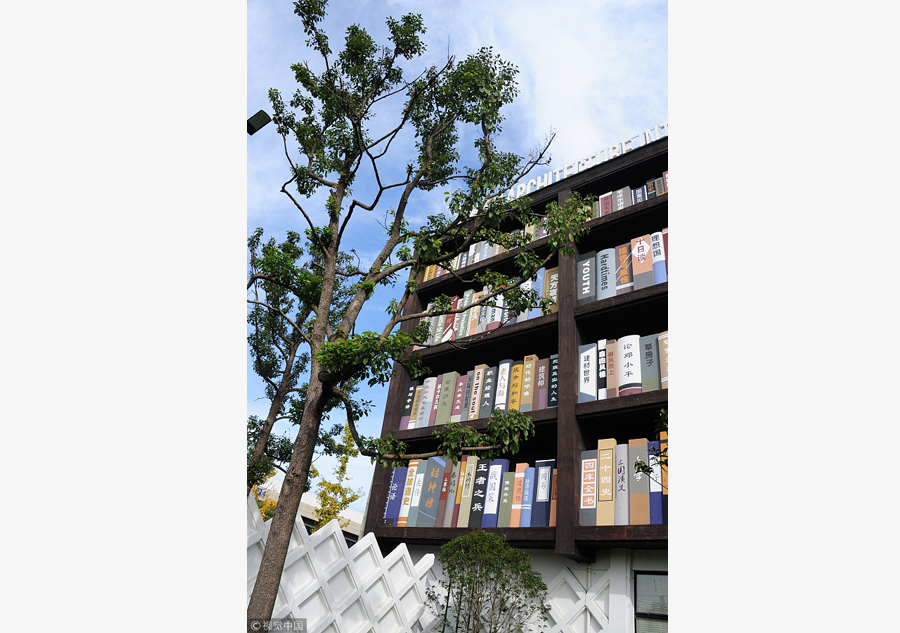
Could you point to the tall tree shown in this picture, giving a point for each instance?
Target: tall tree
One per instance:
(330, 118)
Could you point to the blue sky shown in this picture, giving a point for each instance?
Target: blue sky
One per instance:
(596, 73)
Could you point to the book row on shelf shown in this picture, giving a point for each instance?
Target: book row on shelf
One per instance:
(471, 493)
(612, 492)
(634, 265)
(623, 367)
(484, 318)
(607, 204)
(529, 384)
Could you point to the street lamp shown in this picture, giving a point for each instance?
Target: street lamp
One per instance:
(257, 121)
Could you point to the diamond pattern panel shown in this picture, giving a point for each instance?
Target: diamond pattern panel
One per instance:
(341, 590)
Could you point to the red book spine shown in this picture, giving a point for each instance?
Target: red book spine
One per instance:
(442, 500)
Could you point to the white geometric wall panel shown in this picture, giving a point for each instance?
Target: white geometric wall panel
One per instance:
(341, 590)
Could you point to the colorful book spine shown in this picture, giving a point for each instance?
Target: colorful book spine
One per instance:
(656, 507)
(403, 515)
(431, 492)
(447, 518)
(639, 195)
(515, 386)
(664, 447)
(666, 181)
(465, 502)
(606, 466)
(623, 477)
(492, 493)
(515, 516)
(501, 399)
(665, 233)
(606, 204)
(459, 393)
(650, 188)
(527, 497)
(523, 316)
(658, 257)
(428, 389)
(459, 490)
(413, 517)
(606, 274)
(641, 262)
(543, 488)
(506, 496)
(587, 372)
(445, 401)
(553, 388)
(488, 391)
(479, 492)
(474, 313)
(447, 333)
(474, 401)
(621, 198)
(445, 492)
(481, 327)
(601, 369)
(629, 365)
(612, 368)
(663, 347)
(409, 395)
(463, 321)
(394, 497)
(587, 508)
(649, 356)
(659, 186)
(528, 377)
(639, 485)
(541, 384)
(553, 500)
(587, 278)
(414, 416)
(435, 399)
(467, 398)
(624, 279)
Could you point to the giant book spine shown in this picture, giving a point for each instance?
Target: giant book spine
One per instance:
(621, 198)
(483, 314)
(447, 331)
(649, 356)
(394, 497)
(475, 400)
(623, 477)
(551, 287)
(629, 365)
(587, 372)
(463, 321)
(431, 492)
(656, 504)
(606, 467)
(664, 468)
(658, 256)
(659, 186)
(665, 233)
(651, 189)
(586, 277)
(474, 313)
(492, 493)
(488, 391)
(543, 488)
(612, 368)
(454, 518)
(639, 486)
(479, 492)
(663, 347)
(506, 496)
(606, 274)
(467, 398)
(501, 399)
(527, 497)
(440, 321)
(538, 286)
(542, 381)
(601, 369)
(409, 395)
(432, 324)
(465, 502)
(445, 403)
(553, 387)
(624, 280)
(459, 394)
(495, 314)
(515, 386)
(666, 181)
(454, 322)
(528, 375)
(587, 508)
(413, 517)
(408, 486)
(435, 399)
(428, 389)
(606, 204)
(515, 515)
(524, 315)
(639, 195)
(553, 500)
(641, 262)
(447, 517)
(445, 491)
(414, 412)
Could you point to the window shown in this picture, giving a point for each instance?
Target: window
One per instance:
(651, 602)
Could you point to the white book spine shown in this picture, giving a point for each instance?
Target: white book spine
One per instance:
(621, 481)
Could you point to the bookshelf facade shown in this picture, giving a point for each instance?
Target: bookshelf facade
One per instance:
(571, 427)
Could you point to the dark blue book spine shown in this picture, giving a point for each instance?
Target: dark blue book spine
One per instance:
(543, 488)
(527, 498)
(394, 497)
(492, 493)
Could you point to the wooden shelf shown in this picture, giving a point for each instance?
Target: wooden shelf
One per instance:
(629, 298)
(636, 401)
(631, 536)
(538, 417)
(536, 537)
(501, 334)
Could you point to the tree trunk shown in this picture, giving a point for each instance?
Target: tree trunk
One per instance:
(262, 600)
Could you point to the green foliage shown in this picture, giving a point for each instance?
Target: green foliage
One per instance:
(658, 455)
(488, 586)
(334, 497)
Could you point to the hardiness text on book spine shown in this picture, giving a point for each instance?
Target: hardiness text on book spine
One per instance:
(657, 254)
(622, 479)
(587, 372)
(528, 375)
(553, 388)
(624, 280)
(649, 356)
(587, 509)
(663, 346)
(629, 365)
(601, 369)
(479, 492)
(641, 262)
(440, 320)
(543, 474)
(639, 485)
(606, 278)
(587, 290)
(463, 321)
(606, 467)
